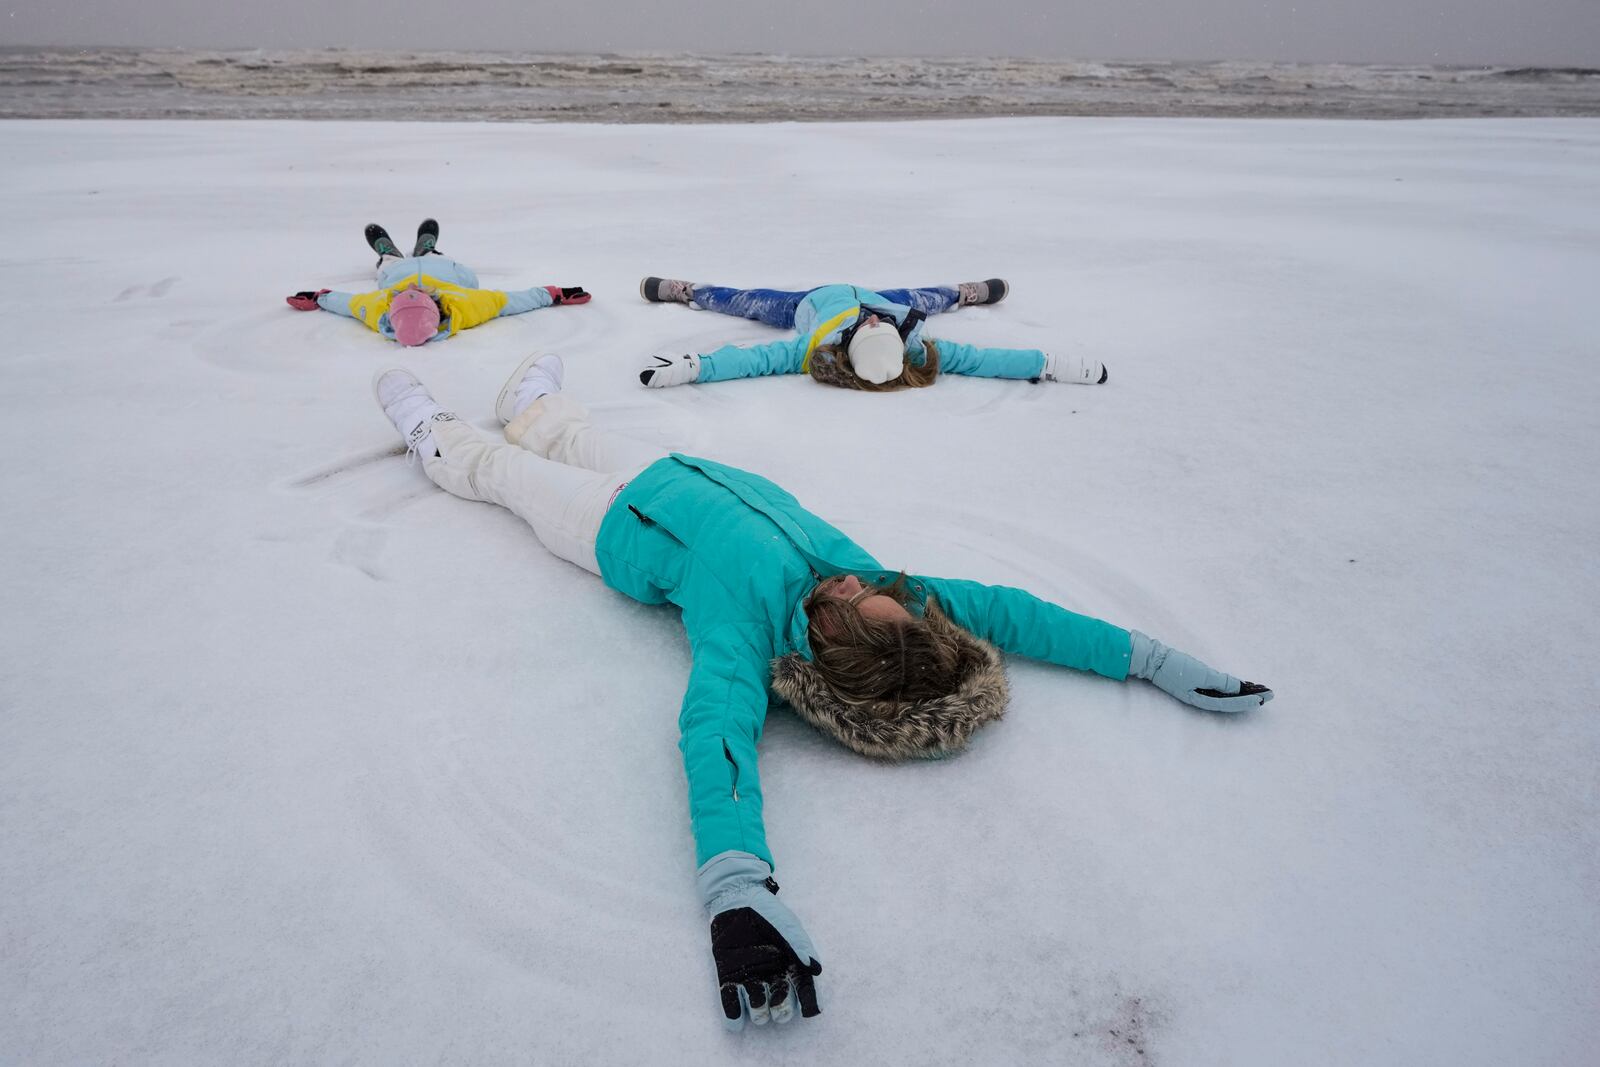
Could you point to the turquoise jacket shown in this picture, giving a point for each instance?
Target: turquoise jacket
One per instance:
(822, 319)
(739, 556)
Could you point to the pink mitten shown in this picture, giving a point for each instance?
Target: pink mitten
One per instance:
(306, 299)
(569, 294)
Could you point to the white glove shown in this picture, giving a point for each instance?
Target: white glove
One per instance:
(1075, 370)
(667, 370)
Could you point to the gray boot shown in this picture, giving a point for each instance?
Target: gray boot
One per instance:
(666, 291)
(990, 292)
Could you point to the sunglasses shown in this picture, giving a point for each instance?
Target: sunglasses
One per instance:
(884, 316)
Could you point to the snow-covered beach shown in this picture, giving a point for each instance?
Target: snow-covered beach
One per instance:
(304, 761)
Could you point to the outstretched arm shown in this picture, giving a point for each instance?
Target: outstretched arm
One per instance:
(1185, 678)
(957, 358)
(1028, 363)
(723, 712)
(1021, 623)
(729, 361)
(338, 303)
(765, 960)
(520, 301)
(751, 361)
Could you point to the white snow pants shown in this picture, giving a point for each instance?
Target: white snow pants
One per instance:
(559, 473)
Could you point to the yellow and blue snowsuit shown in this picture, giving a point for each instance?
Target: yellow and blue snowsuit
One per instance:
(464, 305)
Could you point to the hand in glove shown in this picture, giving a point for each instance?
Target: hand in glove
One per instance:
(765, 962)
(567, 294)
(665, 370)
(306, 299)
(1075, 370)
(1191, 681)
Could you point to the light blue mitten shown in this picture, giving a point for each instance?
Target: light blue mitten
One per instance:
(765, 962)
(1186, 678)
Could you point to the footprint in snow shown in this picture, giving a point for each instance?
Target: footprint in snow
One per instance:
(155, 289)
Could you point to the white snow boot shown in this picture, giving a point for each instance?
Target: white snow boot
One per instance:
(411, 408)
(1075, 370)
(534, 377)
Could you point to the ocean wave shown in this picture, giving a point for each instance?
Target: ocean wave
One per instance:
(494, 86)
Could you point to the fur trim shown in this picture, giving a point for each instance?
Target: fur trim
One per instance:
(929, 729)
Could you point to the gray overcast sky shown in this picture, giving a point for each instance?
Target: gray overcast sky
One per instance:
(1543, 32)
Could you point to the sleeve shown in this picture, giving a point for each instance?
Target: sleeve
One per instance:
(957, 358)
(338, 303)
(732, 361)
(1022, 624)
(527, 300)
(720, 724)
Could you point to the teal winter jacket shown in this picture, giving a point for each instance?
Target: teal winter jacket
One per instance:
(739, 556)
(822, 319)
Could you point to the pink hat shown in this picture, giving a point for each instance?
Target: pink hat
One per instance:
(414, 316)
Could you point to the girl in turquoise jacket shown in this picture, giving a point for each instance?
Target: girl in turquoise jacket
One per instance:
(775, 601)
(853, 337)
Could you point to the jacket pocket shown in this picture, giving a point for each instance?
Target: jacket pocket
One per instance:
(651, 524)
(734, 773)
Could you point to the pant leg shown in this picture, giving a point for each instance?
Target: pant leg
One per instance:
(563, 504)
(557, 427)
(775, 307)
(930, 301)
(393, 270)
(450, 270)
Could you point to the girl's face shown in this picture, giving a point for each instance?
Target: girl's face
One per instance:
(865, 599)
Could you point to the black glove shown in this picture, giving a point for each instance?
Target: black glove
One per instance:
(765, 962)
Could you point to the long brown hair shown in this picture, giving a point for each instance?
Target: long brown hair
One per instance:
(830, 365)
(899, 662)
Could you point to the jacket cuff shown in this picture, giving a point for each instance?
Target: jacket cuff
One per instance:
(728, 874)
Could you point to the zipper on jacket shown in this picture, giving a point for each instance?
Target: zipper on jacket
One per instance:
(735, 765)
(648, 521)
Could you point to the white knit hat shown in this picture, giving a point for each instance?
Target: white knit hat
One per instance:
(877, 354)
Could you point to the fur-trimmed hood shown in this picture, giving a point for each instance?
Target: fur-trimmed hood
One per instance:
(927, 729)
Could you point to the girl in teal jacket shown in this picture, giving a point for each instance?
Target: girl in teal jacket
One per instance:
(853, 337)
(775, 601)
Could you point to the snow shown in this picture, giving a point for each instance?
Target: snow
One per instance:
(303, 760)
